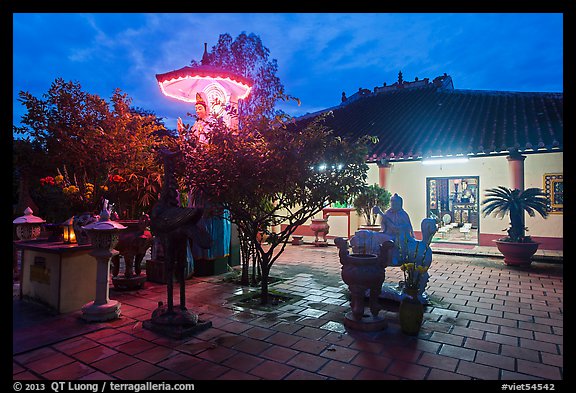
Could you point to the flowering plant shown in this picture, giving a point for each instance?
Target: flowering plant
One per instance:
(413, 262)
(79, 196)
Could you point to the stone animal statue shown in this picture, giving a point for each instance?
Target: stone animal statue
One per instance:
(132, 246)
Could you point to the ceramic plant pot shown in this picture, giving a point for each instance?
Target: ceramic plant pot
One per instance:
(517, 254)
(411, 313)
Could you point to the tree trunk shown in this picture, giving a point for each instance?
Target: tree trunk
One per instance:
(264, 293)
(245, 259)
(254, 280)
(517, 224)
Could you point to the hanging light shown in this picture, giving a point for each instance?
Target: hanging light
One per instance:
(69, 236)
(447, 160)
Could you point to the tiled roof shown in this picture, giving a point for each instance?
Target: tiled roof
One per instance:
(416, 123)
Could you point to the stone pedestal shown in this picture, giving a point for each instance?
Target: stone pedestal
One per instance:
(60, 276)
(368, 322)
(108, 311)
(178, 323)
(129, 283)
(297, 240)
(102, 308)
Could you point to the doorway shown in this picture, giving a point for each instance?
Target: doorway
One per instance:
(454, 203)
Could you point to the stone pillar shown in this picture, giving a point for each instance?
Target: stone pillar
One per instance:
(102, 309)
(516, 170)
(384, 173)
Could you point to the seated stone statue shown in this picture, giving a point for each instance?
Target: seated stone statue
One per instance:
(396, 226)
(395, 221)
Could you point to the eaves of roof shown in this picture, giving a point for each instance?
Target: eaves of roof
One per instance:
(419, 123)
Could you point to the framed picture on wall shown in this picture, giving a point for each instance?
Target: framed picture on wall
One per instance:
(554, 189)
(432, 197)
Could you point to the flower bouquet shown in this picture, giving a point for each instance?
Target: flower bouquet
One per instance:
(414, 267)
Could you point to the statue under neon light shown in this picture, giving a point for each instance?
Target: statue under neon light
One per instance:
(215, 94)
(219, 88)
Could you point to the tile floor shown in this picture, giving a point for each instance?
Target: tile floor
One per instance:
(487, 321)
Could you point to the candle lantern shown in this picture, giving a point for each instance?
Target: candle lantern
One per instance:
(104, 236)
(68, 234)
(28, 226)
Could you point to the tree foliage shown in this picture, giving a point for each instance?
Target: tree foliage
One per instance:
(501, 201)
(275, 177)
(372, 196)
(247, 56)
(267, 174)
(93, 140)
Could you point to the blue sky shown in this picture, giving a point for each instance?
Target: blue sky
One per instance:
(320, 55)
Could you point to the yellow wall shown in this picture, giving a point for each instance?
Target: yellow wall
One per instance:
(535, 166)
(408, 179)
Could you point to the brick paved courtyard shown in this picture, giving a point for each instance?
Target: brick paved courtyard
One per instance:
(486, 321)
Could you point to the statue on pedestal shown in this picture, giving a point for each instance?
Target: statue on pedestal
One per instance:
(201, 260)
(396, 227)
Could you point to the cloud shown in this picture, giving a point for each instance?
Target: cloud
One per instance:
(319, 54)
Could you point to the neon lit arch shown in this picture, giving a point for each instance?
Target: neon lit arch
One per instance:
(183, 84)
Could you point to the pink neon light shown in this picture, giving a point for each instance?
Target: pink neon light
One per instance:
(167, 83)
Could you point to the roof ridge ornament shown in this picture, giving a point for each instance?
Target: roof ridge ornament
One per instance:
(205, 60)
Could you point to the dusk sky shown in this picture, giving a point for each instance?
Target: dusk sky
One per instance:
(319, 55)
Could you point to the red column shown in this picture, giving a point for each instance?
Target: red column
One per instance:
(516, 170)
(383, 173)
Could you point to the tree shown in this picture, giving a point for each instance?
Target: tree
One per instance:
(372, 196)
(247, 56)
(94, 140)
(271, 176)
(268, 173)
(501, 201)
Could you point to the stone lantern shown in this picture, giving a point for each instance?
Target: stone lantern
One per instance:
(28, 226)
(104, 235)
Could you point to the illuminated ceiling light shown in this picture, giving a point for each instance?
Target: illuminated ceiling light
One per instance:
(444, 160)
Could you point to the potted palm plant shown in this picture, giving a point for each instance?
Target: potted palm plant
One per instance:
(365, 202)
(500, 201)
